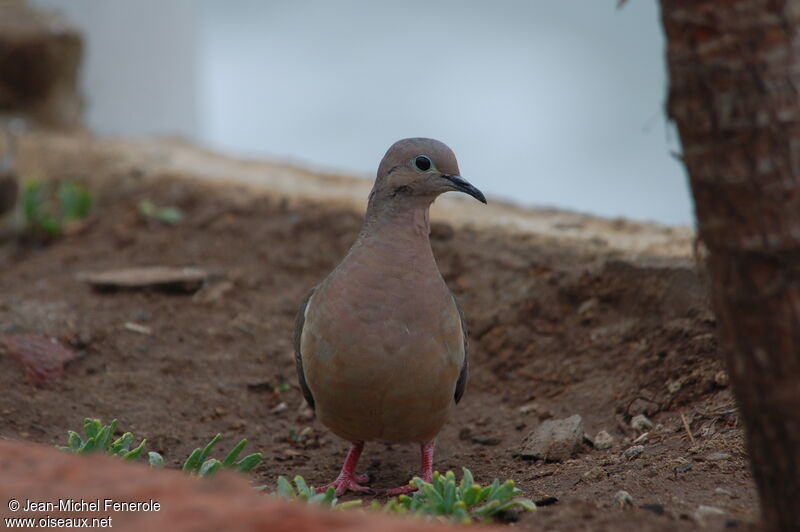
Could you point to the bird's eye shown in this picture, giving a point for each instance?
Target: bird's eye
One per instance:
(423, 162)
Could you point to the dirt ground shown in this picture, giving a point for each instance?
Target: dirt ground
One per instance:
(555, 331)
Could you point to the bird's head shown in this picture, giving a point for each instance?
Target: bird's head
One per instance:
(419, 169)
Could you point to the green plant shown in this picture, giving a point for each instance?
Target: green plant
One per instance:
(199, 464)
(442, 498)
(302, 492)
(462, 502)
(167, 215)
(98, 438)
(50, 209)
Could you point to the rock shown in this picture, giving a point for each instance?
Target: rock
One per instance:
(595, 473)
(674, 386)
(279, 408)
(623, 498)
(704, 512)
(545, 501)
(156, 277)
(44, 358)
(486, 440)
(721, 379)
(683, 468)
(633, 452)
(603, 440)
(714, 457)
(554, 440)
(643, 406)
(213, 292)
(641, 423)
(588, 306)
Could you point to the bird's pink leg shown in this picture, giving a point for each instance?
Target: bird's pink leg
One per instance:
(427, 469)
(348, 479)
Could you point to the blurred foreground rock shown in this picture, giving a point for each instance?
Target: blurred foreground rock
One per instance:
(226, 502)
(40, 57)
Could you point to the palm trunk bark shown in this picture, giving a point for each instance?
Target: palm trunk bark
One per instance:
(734, 68)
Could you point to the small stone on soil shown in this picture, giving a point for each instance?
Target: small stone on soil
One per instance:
(704, 511)
(633, 452)
(640, 422)
(281, 407)
(603, 440)
(623, 498)
(595, 473)
(554, 440)
(486, 440)
(588, 306)
(713, 457)
(546, 501)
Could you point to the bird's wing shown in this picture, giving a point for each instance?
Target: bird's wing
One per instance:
(299, 321)
(461, 384)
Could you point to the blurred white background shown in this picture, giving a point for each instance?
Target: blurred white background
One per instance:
(545, 102)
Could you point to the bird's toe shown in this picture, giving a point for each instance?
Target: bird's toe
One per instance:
(344, 484)
(364, 478)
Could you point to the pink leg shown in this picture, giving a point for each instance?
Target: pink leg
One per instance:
(427, 469)
(348, 479)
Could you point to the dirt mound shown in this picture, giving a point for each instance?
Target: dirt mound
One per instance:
(170, 500)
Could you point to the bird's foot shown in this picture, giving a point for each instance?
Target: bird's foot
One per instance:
(364, 478)
(345, 483)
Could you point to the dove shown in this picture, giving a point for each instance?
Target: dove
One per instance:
(381, 344)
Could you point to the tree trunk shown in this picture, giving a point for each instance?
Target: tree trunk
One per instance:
(734, 80)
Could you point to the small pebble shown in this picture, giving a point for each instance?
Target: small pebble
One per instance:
(633, 452)
(486, 440)
(546, 501)
(704, 511)
(281, 407)
(713, 457)
(640, 422)
(595, 473)
(603, 440)
(683, 468)
(623, 498)
(588, 306)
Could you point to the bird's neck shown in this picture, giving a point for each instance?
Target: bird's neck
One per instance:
(399, 236)
(402, 222)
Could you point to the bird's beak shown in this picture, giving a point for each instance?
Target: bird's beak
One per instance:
(462, 185)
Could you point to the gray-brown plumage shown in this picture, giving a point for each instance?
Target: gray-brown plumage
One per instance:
(381, 344)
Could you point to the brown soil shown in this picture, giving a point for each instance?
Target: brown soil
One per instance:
(555, 331)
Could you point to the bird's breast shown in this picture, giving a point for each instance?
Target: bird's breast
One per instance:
(382, 352)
